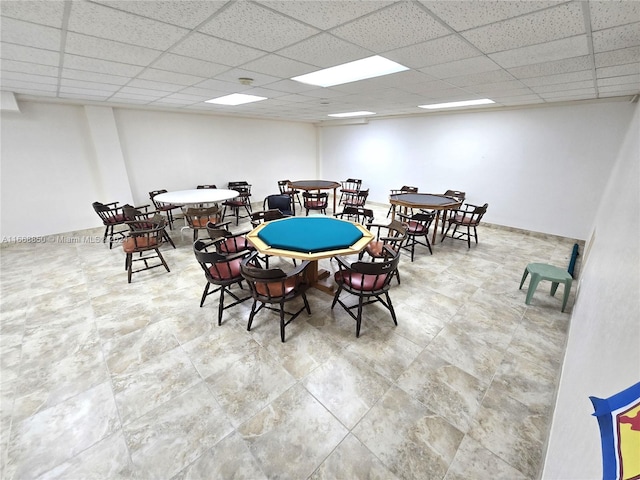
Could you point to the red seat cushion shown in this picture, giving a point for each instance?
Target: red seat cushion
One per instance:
(360, 281)
(276, 289)
(315, 204)
(119, 218)
(130, 244)
(416, 228)
(463, 219)
(200, 222)
(226, 270)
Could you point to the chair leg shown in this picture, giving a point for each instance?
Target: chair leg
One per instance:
(221, 305)
(306, 303)
(567, 290)
(162, 260)
(282, 321)
(524, 277)
(391, 309)
(359, 317)
(251, 315)
(335, 297)
(168, 239)
(204, 294)
(533, 284)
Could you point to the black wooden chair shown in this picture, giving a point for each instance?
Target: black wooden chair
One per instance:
(315, 201)
(369, 281)
(145, 238)
(282, 202)
(273, 289)
(465, 219)
(167, 208)
(112, 216)
(242, 201)
(418, 226)
(221, 272)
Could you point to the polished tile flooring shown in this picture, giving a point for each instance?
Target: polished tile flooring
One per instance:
(104, 379)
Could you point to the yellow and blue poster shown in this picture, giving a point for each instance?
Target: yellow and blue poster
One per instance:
(619, 420)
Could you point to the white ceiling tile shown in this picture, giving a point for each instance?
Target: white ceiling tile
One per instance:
(463, 15)
(547, 52)
(566, 65)
(498, 87)
(189, 66)
(126, 99)
(569, 96)
(29, 54)
(42, 12)
(145, 92)
(563, 87)
(621, 80)
(85, 95)
(326, 15)
(100, 66)
(560, 78)
(30, 34)
(461, 67)
(404, 79)
(21, 86)
(28, 77)
(551, 24)
(104, 22)
(87, 90)
(291, 86)
(93, 47)
(203, 93)
(481, 78)
(617, 57)
(324, 50)
(269, 31)
(433, 52)
(38, 93)
(25, 67)
(618, 70)
(617, 90)
(95, 86)
(612, 14)
(215, 50)
(187, 14)
(403, 24)
(169, 77)
(428, 88)
(616, 38)
(518, 100)
(276, 65)
(219, 86)
(153, 85)
(72, 74)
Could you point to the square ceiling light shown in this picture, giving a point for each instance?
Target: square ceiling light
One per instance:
(369, 67)
(350, 114)
(464, 103)
(236, 99)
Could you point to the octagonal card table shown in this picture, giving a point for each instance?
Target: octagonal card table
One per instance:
(428, 201)
(310, 238)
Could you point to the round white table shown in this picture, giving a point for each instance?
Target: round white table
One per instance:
(196, 196)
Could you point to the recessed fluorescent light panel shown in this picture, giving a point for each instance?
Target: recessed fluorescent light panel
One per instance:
(236, 99)
(369, 67)
(465, 103)
(350, 114)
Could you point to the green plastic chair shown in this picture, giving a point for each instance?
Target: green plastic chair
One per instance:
(543, 271)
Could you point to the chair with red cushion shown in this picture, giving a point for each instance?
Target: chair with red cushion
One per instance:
(167, 208)
(243, 200)
(315, 201)
(111, 216)
(142, 213)
(198, 218)
(358, 199)
(465, 218)
(221, 272)
(271, 287)
(403, 189)
(356, 214)
(227, 242)
(145, 238)
(369, 281)
(388, 238)
(349, 187)
(418, 226)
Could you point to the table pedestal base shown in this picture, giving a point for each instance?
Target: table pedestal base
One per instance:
(319, 278)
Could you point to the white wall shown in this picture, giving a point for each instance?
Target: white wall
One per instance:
(540, 169)
(603, 349)
(58, 159)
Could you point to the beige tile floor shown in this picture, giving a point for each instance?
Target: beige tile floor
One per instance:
(104, 379)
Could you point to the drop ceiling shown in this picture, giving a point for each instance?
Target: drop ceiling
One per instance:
(177, 54)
